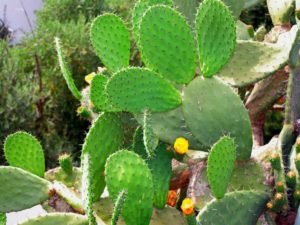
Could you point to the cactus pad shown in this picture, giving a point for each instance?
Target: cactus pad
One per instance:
(253, 61)
(98, 95)
(138, 143)
(20, 189)
(149, 137)
(172, 55)
(66, 72)
(165, 216)
(208, 107)
(170, 125)
(127, 171)
(241, 207)
(216, 34)
(220, 166)
(161, 168)
(104, 137)
(2, 219)
(137, 89)
(57, 219)
(25, 151)
(110, 39)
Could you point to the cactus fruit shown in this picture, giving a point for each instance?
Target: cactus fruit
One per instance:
(240, 207)
(166, 216)
(220, 166)
(275, 161)
(25, 151)
(200, 114)
(100, 147)
(151, 91)
(216, 37)
(280, 11)
(57, 219)
(20, 189)
(126, 170)
(110, 39)
(245, 67)
(172, 55)
(65, 162)
(65, 71)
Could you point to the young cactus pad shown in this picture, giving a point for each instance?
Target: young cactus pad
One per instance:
(104, 138)
(110, 39)
(20, 189)
(137, 89)
(220, 166)
(236, 208)
(216, 34)
(235, 6)
(253, 61)
(126, 170)
(66, 72)
(172, 55)
(208, 107)
(25, 151)
(280, 11)
(57, 219)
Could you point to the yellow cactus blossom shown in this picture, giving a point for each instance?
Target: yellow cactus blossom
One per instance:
(187, 206)
(181, 145)
(88, 78)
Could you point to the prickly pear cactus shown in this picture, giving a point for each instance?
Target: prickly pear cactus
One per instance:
(241, 207)
(216, 38)
(24, 151)
(220, 166)
(125, 170)
(20, 189)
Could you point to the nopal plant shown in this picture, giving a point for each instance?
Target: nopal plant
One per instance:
(183, 101)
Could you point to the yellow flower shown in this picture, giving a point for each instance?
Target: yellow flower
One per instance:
(187, 206)
(88, 78)
(181, 145)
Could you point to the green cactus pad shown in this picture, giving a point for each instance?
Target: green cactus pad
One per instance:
(172, 55)
(66, 72)
(149, 137)
(118, 207)
(161, 168)
(104, 138)
(236, 208)
(137, 13)
(98, 95)
(159, 2)
(65, 162)
(253, 61)
(242, 31)
(188, 9)
(127, 171)
(165, 216)
(281, 11)
(208, 107)
(57, 219)
(170, 125)
(20, 189)
(216, 34)
(220, 166)
(235, 6)
(25, 151)
(137, 89)
(110, 39)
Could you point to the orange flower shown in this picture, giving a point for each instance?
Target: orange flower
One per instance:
(187, 206)
(172, 198)
(181, 145)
